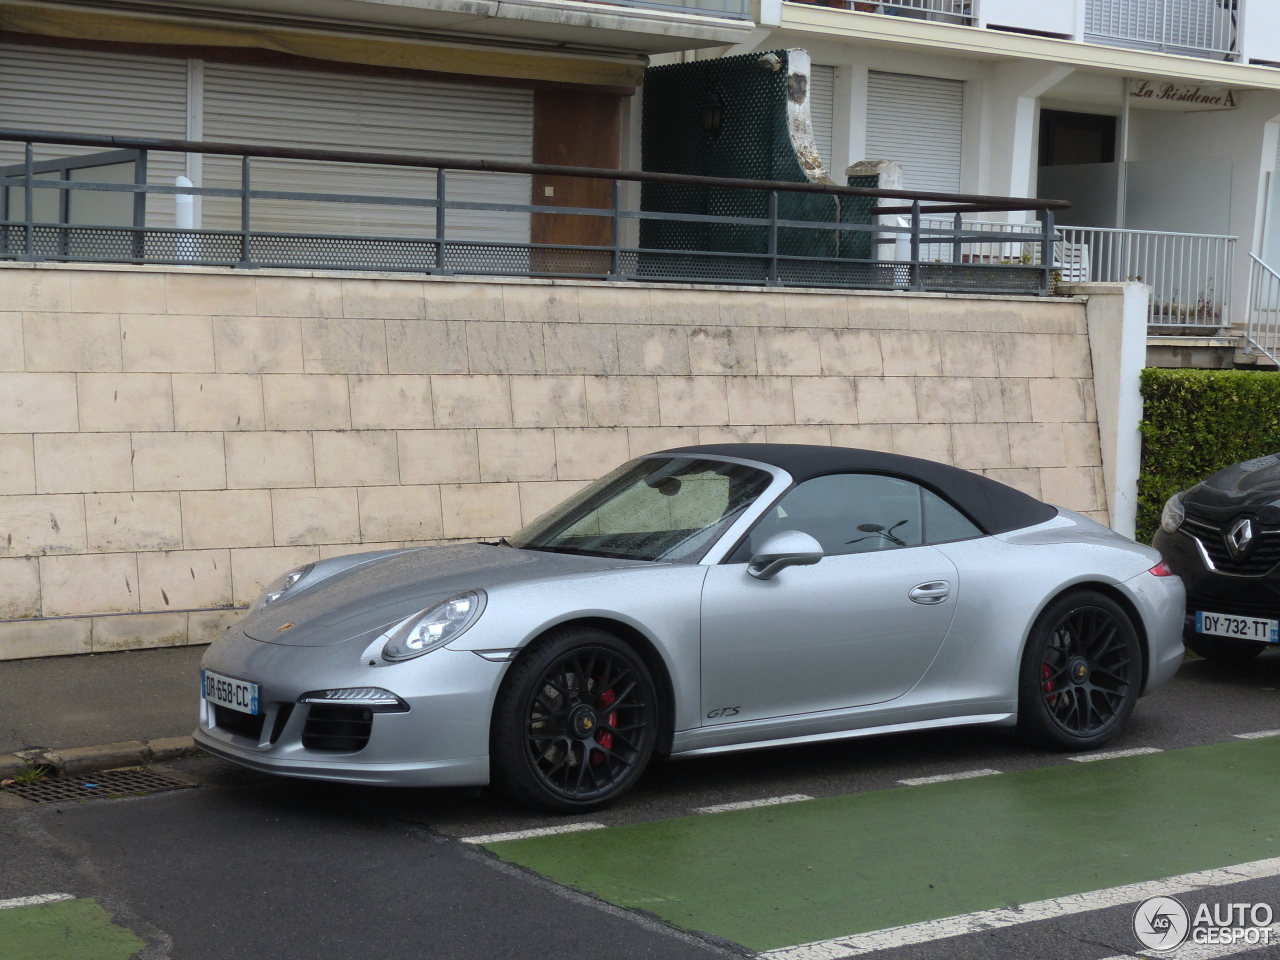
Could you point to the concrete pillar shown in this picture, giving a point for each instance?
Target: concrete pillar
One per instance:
(1117, 319)
(849, 122)
(1008, 95)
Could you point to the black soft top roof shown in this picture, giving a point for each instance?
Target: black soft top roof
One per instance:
(994, 507)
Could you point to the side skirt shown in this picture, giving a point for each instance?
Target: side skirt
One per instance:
(997, 719)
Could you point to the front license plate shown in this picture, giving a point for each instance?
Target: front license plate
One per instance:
(1241, 628)
(229, 692)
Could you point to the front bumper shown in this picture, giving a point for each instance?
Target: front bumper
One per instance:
(461, 772)
(1214, 590)
(443, 739)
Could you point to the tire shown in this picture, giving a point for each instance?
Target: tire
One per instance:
(1223, 649)
(1081, 673)
(575, 722)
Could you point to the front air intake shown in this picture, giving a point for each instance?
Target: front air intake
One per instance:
(338, 728)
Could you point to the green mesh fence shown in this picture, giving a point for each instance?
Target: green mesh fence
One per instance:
(856, 245)
(753, 144)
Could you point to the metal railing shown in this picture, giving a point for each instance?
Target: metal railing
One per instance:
(941, 11)
(1190, 274)
(1007, 242)
(735, 9)
(477, 237)
(1196, 28)
(1263, 331)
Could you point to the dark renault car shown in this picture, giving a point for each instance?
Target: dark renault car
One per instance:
(1222, 537)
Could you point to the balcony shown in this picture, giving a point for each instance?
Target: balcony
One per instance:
(731, 9)
(1192, 28)
(938, 11)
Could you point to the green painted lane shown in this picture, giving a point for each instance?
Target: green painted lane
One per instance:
(776, 876)
(66, 930)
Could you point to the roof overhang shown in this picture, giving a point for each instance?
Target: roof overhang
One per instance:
(577, 24)
(995, 45)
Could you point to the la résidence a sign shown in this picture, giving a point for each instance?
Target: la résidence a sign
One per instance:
(1162, 95)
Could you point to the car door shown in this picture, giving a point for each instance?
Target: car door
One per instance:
(859, 627)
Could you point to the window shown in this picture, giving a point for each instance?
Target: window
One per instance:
(861, 513)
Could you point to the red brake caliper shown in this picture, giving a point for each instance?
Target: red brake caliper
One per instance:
(1045, 673)
(606, 739)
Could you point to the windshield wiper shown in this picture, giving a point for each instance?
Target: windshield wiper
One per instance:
(583, 552)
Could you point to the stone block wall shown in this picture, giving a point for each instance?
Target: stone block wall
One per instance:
(173, 438)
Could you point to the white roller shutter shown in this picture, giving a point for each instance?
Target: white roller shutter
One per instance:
(822, 96)
(350, 112)
(917, 121)
(73, 91)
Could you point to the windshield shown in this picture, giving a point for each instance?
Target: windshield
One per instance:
(655, 509)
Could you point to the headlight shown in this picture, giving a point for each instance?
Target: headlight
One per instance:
(1173, 514)
(375, 698)
(278, 587)
(434, 626)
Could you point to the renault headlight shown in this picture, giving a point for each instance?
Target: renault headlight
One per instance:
(1173, 514)
(278, 587)
(434, 626)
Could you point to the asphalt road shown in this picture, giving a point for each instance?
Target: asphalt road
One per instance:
(249, 865)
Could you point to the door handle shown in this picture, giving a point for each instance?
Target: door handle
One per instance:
(935, 591)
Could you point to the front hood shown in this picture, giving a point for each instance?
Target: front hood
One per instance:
(369, 597)
(1253, 486)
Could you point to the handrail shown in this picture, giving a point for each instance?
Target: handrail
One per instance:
(972, 202)
(858, 245)
(1263, 332)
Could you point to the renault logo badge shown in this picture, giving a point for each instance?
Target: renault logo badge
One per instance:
(1239, 537)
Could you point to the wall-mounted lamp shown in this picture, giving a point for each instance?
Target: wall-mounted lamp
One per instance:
(713, 114)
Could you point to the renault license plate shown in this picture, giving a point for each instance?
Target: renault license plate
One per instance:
(1239, 628)
(229, 692)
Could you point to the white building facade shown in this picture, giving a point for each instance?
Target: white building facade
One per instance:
(1158, 119)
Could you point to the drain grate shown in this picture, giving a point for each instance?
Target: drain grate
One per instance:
(101, 786)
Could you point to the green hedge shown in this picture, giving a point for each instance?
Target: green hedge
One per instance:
(1195, 422)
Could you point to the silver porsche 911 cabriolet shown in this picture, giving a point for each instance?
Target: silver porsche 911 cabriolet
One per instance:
(694, 601)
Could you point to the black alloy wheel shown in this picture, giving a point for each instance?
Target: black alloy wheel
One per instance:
(575, 721)
(1081, 673)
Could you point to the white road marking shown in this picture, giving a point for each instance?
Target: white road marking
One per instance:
(1258, 735)
(33, 901)
(751, 804)
(539, 832)
(1114, 754)
(930, 930)
(1207, 951)
(943, 777)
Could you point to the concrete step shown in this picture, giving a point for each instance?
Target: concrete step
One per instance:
(1193, 352)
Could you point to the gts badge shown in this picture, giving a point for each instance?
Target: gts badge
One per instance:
(723, 712)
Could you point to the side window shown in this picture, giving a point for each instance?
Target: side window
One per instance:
(861, 513)
(848, 513)
(943, 522)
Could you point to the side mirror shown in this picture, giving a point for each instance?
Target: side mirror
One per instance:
(786, 549)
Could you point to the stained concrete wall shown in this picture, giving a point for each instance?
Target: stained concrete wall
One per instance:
(172, 438)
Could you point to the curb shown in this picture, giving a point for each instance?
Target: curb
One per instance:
(77, 760)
